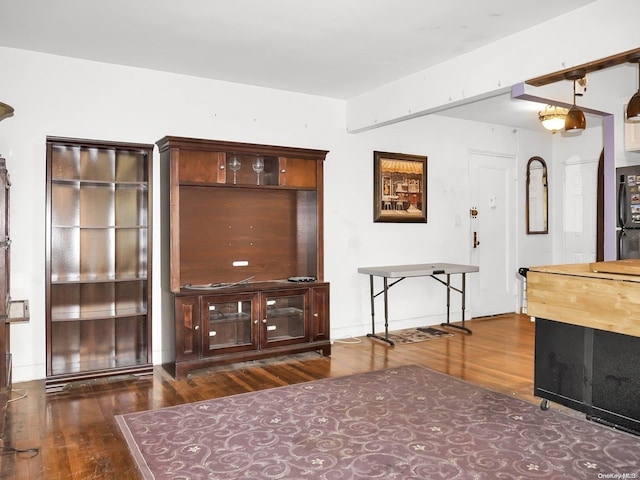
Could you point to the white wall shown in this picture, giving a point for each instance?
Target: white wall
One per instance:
(72, 98)
(67, 97)
(445, 238)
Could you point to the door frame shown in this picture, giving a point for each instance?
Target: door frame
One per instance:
(512, 230)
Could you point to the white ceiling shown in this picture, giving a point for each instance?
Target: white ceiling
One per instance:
(332, 48)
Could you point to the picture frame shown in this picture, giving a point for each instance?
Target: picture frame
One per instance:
(399, 188)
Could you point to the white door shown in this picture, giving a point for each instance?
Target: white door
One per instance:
(580, 212)
(492, 188)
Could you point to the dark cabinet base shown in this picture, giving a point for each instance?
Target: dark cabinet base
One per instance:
(58, 382)
(593, 371)
(250, 322)
(181, 369)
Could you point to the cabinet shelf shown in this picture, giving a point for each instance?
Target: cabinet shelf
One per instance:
(98, 315)
(77, 279)
(244, 186)
(217, 319)
(102, 227)
(100, 183)
(284, 312)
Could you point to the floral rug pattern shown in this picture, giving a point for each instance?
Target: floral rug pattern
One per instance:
(402, 423)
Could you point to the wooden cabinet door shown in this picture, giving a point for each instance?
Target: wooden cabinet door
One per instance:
(320, 313)
(297, 172)
(229, 323)
(188, 329)
(199, 166)
(284, 317)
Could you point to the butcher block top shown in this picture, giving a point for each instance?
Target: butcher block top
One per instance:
(627, 267)
(626, 270)
(601, 295)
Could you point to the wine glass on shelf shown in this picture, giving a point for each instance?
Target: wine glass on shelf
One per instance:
(234, 165)
(258, 167)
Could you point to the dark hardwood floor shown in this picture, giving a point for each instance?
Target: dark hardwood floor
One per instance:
(76, 436)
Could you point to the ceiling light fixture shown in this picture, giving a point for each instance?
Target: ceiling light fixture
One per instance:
(575, 121)
(5, 111)
(553, 117)
(633, 108)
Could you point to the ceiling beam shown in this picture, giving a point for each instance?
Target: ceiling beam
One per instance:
(590, 67)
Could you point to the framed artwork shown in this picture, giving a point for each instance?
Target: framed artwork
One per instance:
(399, 188)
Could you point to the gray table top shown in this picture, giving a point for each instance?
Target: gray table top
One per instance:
(417, 270)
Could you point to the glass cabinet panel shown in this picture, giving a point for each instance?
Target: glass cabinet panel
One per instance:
(252, 169)
(285, 317)
(227, 322)
(97, 164)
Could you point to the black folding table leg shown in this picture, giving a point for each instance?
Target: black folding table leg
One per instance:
(462, 292)
(386, 312)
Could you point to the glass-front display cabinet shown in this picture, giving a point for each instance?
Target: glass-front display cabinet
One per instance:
(98, 250)
(234, 322)
(5, 290)
(285, 319)
(229, 323)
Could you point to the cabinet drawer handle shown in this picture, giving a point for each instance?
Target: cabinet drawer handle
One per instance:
(315, 315)
(264, 320)
(255, 322)
(197, 327)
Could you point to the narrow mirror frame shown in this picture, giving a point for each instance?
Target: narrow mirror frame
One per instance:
(543, 204)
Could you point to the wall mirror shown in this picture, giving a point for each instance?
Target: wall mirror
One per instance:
(537, 196)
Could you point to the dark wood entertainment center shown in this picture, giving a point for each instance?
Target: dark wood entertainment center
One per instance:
(242, 251)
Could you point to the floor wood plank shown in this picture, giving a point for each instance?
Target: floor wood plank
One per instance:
(78, 438)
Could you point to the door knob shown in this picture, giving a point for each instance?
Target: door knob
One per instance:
(476, 242)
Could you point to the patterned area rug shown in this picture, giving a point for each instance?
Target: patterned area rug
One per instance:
(403, 423)
(415, 335)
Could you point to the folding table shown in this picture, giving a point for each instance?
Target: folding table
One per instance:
(400, 272)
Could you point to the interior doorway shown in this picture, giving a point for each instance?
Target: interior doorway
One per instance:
(492, 187)
(580, 213)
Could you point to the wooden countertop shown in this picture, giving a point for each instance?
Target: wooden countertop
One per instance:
(619, 270)
(578, 295)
